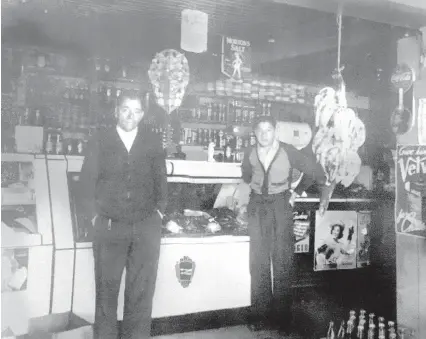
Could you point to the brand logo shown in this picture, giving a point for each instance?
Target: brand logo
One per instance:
(185, 269)
(402, 77)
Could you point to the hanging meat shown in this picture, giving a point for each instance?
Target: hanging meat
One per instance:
(340, 133)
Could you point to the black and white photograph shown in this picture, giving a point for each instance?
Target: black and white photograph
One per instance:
(213, 169)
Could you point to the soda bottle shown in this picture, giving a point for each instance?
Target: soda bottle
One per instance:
(49, 144)
(341, 333)
(330, 332)
(371, 331)
(360, 333)
(382, 333)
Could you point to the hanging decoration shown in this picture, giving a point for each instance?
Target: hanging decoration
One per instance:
(340, 132)
(194, 31)
(169, 75)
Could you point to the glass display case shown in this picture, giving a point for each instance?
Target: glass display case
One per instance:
(25, 201)
(26, 241)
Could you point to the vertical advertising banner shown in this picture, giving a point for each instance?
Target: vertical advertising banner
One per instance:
(236, 58)
(411, 190)
(301, 228)
(335, 240)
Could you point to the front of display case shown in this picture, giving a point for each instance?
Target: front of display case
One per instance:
(26, 241)
(199, 270)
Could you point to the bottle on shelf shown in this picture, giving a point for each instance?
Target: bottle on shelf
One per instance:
(238, 113)
(209, 112)
(227, 154)
(58, 146)
(49, 144)
(24, 120)
(69, 148)
(80, 147)
(37, 121)
(330, 331)
(252, 139)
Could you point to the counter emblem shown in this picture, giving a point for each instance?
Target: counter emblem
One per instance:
(185, 269)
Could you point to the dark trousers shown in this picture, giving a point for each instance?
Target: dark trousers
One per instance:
(136, 247)
(271, 242)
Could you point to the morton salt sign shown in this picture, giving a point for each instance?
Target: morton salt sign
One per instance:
(410, 202)
(236, 58)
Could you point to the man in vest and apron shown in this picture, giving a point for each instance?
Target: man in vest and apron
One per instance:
(267, 168)
(123, 193)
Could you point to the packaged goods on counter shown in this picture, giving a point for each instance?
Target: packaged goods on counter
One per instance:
(219, 221)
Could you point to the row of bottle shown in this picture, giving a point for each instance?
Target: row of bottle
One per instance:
(235, 112)
(204, 136)
(359, 328)
(55, 145)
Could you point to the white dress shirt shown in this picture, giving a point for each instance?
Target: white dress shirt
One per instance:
(266, 156)
(127, 137)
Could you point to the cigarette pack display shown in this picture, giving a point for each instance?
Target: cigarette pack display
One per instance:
(335, 240)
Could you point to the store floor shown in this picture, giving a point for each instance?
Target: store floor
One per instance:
(237, 332)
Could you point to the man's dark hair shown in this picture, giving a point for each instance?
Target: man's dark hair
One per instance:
(142, 97)
(264, 118)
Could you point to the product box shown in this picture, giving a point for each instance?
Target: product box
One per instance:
(29, 139)
(335, 240)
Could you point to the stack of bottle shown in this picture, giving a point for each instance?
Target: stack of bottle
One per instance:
(204, 136)
(362, 328)
(235, 112)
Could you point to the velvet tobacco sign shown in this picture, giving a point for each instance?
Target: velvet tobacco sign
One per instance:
(410, 202)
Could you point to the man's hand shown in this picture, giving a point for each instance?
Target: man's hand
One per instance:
(292, 199)
(94, 220)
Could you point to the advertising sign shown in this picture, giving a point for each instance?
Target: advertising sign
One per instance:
(335, 240)
(301, 229)
(364, 239)
(402, 77)
(411, 190)
(236, 58)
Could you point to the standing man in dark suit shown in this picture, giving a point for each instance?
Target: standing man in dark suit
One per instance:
(267, 168)
(123, 194)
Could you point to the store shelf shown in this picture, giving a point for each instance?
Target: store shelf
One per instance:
(204, 125)
(20, 240)
(12, 202)
(17, 157)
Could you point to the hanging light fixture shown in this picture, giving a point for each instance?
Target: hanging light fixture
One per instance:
(194, 29)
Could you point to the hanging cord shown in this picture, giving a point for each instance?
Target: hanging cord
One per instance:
(339, 37)
(339, 68)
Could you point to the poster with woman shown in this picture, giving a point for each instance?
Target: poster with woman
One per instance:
(335, 240)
